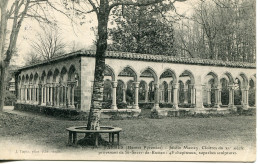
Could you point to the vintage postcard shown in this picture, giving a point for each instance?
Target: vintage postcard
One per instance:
(128, 80)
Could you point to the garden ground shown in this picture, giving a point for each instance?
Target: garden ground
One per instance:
(22, 133)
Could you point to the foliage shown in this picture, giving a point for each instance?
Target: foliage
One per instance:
(146, 105)
(10, 98)
(220, 29)
(165, 105)
(142, 30)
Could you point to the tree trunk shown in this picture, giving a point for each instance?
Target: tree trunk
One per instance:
(97, 95)
(2, 86)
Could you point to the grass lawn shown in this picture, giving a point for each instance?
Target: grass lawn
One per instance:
(50, 132)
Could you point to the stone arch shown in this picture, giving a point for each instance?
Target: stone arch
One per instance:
(56, 76)
(129, 72)
(169, 73)
(212, 75)
(229, 77)
(27, 79)
(149, 72)
(31, 78)
(109, 72)
(252, 91)
(72, 73)
(43, 77)
(49, 76)
(253, 78)
(244, 80)
(36, 78)
(23, 80)
(211, 83)
(64, 75)
(188, 73)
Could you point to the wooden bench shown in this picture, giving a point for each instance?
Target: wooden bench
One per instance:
(103, 129)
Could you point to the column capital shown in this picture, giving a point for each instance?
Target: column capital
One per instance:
(114, 84)
(191, 85)
(136, 84)
(175, 86)
(231, 86)
(246, 88)
(156, 86)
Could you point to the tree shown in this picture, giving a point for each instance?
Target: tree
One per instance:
(142, 30)
(220, 29)
(13, 13)
(48, 44)
(102, 11)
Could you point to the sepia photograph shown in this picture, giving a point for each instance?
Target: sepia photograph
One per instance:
(128, 80)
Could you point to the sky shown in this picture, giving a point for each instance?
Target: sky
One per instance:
(82, 35)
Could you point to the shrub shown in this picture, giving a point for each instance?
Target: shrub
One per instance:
(10, 98)
(165, 105)
(107, 104)
(121, 105)
(146, 105)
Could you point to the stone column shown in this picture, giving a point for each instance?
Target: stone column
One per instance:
(219, 96)
(193, 95)
(185, 94)
(156, 97)
(146, 94)
(199, 97)
(169, 95)
(42, 94)
(62, 95)
(36, 94)
(245, 97)
(58, 95)
(69, 94)
(39, 94)
(25, 93)
(124, 95)
(54, 93)
(51, 94)
(162, 95)
(136, 85)
(66, 95)
(48, 94)
(175, 96)
(21, 93)
(72, 95)
(114, 85)
(30, 94)
(231, 105)
(209, 96)
(216, 105)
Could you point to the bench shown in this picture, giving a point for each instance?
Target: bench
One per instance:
(103, 129)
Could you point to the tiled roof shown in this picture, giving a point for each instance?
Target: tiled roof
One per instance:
(149, 57)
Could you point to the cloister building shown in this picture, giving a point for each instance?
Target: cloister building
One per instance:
(167, 83)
